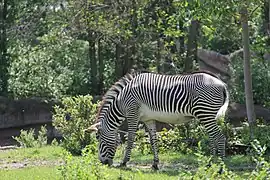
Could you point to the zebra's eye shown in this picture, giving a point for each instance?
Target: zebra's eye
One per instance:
(98, 134)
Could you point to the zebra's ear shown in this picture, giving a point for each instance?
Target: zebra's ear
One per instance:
(93, 128)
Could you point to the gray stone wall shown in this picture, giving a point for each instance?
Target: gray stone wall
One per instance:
(16, 113)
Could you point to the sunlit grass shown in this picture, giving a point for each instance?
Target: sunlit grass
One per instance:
(44, 153)
(29, 173)
(172, 164)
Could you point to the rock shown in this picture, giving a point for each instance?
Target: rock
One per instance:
(237, 113)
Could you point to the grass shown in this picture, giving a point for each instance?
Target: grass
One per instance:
(172, 165)
(30, 173)
(138, 174)
(44, 153)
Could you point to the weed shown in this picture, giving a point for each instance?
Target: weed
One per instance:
(27, 139)
(88, 167)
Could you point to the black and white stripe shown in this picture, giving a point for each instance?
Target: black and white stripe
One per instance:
(149, 97)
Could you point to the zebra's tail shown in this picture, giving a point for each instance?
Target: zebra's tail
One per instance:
(222, 111)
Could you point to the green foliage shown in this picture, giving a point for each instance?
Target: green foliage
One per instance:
(53, 68)
(54, 142)
(142, 142)
(212, 172)
(220, 171)
(27, 139)
(42, 136)
(261, 133)
(182, 139)
(260, 79)
(70, 119)
(88, 167)
(262, 166)
(53, 46)
(172, 139)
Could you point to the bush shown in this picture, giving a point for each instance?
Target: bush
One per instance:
(173, 140)
(261, 132)
(262, 170)
(142, 142)
(54, 67)
(220, 171)
(182, 138)
(76, 114)
(260, 75)
(87, 167)
(215, 171)
(27, 138)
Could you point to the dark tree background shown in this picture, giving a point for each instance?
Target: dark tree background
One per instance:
(53, 48)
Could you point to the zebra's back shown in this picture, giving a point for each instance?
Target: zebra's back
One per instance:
(170, 98)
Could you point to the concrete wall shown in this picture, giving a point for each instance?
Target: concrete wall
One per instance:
(24, 114)
(16, 113)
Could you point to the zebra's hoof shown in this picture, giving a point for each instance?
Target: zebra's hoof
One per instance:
(208, 165)
(123, 164)
(155, 167)
(221, 171)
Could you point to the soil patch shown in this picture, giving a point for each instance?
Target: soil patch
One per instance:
(27, 163)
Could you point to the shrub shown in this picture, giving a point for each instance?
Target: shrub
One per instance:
(262, 170)
(27, 138)
(142, 142)
(171, 139)
(181, 138)
(54, 67)
(261, 132)
(76, 114)
(260, 75)
(42, 136)
(214, 171)
(88, 167)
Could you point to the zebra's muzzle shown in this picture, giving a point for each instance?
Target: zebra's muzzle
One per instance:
(107, 162)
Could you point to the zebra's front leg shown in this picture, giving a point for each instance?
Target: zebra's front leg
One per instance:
(130, 141)
(132, 120)
(151, 128)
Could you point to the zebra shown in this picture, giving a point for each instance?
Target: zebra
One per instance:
(150, 97)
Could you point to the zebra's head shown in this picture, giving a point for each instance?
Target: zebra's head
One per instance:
(107, 143)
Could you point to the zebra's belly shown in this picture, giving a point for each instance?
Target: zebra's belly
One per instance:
(147, 114)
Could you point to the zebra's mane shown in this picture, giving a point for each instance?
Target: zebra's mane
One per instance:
(115, 90)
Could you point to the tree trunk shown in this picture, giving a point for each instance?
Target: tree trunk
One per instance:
(93, 62)
(268, 23)
(134, 22)
(269, 15)
(192, 46)
(247, 70)
(3, 50)
(127, 61)
(181, 39)
(158, 56)
(265, 17)
(100, 69)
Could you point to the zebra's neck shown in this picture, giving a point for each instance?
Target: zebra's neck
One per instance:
(111, 115)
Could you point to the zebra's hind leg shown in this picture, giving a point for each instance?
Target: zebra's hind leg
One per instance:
(151, 128)
(217, 139)
(132, 121)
